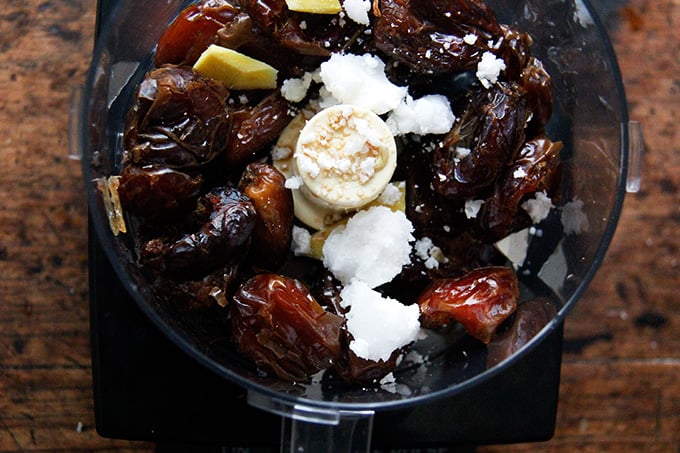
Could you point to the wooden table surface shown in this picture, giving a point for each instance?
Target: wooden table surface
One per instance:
(620, 388)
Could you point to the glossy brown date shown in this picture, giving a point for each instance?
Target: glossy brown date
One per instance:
(273, 231)
(355, 370)
(230, 219)
(479, 300)
(492, 128)
(539, 163)
(456, 14)
(193, 31)
(429, 36)
(157, 192)
(538, 85)
(254, 128)
(307, 34)
(527, 321)
(179, 119)
(279, 325)
(209, 291)
(437, 218)
(515, 50)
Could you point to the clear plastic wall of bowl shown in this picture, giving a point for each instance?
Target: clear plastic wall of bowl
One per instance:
(563, 253)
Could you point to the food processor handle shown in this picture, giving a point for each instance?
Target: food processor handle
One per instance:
(306, 428)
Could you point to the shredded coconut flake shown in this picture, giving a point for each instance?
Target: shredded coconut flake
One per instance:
(462, 152)
(295, 90)
(431, 255)
(281, 153)
(574, 220)
(390, 195)
(357, 10)
(373, 246)
(378, 325)
(538, 207)
(430, 114)
(472, 208)
(519, 173)
(489, 68)
(432, 263)
(301, 243)
(470, 39)
(294, 182)
(422, 247)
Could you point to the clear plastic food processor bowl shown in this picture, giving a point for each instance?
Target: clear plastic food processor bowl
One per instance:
(601, 156)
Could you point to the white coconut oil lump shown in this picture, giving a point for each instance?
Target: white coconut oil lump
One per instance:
(361, 80)
(373, 246)
(378, 325)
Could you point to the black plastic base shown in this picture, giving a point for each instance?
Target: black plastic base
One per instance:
(146, 388)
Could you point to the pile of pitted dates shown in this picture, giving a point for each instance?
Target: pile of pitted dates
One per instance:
(213, 218)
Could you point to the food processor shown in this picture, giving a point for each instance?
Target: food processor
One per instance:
(164, 376)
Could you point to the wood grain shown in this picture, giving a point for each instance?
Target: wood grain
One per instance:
(620, 387)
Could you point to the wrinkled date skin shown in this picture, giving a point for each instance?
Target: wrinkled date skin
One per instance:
(539, 161)
(254, 127)
(439, 219)
(230, 221)
(157, 192)
(355, 370)
(426, 209)
(493, 129)
(193, 31)
(226, 24)
(179, 119)
(515, 50)
(538, 85)
(307, 34)
(450, 15)
(212, 290)
(282, 328)
(428, 36)
(273, 231)
(243, 35)
(480, 300)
